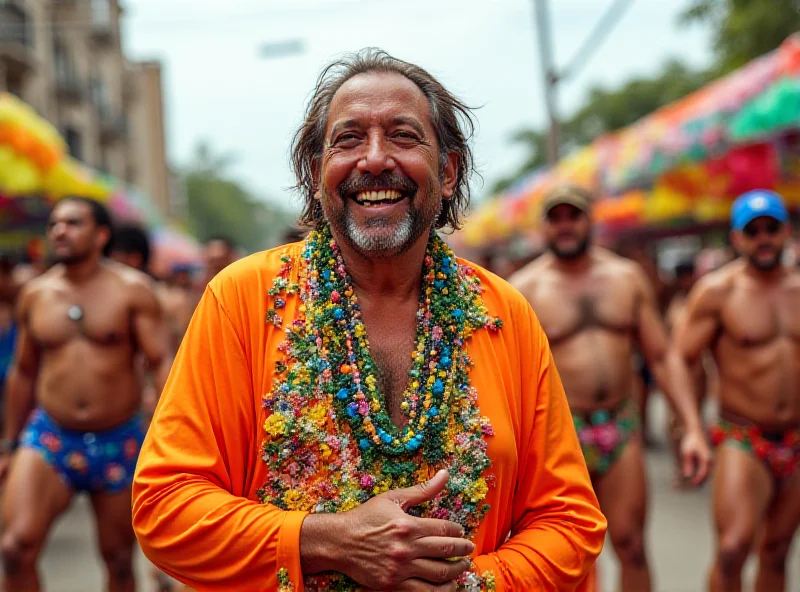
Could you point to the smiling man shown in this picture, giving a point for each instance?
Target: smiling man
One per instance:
(748, 314)
(363, 410)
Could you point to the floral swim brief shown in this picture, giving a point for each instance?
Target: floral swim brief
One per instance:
(604, 433)
(779, 451)
(87, 461)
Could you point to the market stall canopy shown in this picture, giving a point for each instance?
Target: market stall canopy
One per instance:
(34, 159)
(686, 161)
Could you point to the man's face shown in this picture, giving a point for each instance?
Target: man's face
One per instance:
(72, 233)
(380, 182)
(182, 279)
(217, 257)
(762, 242)
(567, 230)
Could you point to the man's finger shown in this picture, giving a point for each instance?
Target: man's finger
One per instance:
(703, 468)
(688, 464)
(414, 496)
(435, 547)
(434, 527)
(437, 572)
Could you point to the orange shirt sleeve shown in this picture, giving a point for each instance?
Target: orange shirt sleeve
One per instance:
(190, 511)
(557, 527)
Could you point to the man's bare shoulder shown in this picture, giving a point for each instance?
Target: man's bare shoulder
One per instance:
(625, 272)
(610, 261)
(137, 286)
(130, 277)
(32, 290)
(793, 279)
(42, 282)
(533, 273)
(711, 290)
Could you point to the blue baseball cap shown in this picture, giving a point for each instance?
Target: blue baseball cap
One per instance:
(757, 203)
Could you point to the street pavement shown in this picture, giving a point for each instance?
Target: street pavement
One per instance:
(680, 538)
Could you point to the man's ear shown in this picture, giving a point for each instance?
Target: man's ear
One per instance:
(450, 175)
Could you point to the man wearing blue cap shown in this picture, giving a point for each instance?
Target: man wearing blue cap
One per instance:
(748, 314)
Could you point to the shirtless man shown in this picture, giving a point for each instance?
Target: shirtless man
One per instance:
(748, 314)
(82, 324)
(596, 308)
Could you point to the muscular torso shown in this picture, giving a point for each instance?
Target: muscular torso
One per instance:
(757, 350)
(590, 319)
(87, 379)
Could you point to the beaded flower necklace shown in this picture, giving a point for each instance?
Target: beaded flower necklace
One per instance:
(330, 443)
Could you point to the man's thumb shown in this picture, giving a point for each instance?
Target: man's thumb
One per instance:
(414, 496)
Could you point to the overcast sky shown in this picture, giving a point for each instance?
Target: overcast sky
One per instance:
(218, 88)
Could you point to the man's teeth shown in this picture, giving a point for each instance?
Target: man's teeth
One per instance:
(370, 196)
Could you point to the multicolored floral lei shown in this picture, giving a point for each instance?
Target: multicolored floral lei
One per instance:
(330, 444)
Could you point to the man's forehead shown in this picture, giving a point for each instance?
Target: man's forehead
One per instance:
(71, 209)
(378, 96)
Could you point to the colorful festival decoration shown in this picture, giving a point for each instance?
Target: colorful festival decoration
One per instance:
(34, 159)
(681, 165)
(36, 171)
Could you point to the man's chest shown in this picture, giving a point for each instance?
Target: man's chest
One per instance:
(566, 308)
(755, 316)
(58, 317)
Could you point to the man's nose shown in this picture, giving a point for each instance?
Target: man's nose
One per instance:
(377, 158)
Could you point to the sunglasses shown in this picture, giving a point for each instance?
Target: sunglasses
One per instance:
(556, 214)
(770, 227)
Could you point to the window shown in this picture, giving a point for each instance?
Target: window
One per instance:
(100, 95)
(73, 140)
(101, 13)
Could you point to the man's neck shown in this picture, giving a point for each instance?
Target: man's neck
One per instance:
(398, 277)
(80, 271)
(766, 276)
(577, 264)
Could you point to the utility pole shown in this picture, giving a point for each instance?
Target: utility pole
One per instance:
(282, 49)
(553, 77)
(549, 77)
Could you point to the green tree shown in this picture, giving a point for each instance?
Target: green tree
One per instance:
(218, 204)
(743, 30)
(608, 110)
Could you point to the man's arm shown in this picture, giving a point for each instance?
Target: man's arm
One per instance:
(557, 528)
(21, 389)
(151, 332)
(652, 337)
(694, 331)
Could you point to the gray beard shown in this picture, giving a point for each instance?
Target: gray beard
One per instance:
(397, 242)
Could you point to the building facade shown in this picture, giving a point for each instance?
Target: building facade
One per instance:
(65, 59)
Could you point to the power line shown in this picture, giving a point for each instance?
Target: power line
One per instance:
(601, 30)
(552, 77)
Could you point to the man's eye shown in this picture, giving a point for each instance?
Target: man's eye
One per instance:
(346, 138)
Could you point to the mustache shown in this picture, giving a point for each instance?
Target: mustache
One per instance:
(375, 183)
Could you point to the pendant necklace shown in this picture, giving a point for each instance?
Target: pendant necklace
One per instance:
(75, 312)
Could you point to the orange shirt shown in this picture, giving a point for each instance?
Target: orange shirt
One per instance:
(196, 509)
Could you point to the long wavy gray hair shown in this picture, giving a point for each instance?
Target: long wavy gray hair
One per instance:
(451, 119)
